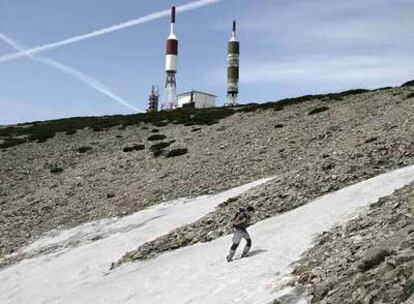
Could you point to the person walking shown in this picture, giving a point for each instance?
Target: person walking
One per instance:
(240, 223)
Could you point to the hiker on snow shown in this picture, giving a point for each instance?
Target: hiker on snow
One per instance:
(240, 223)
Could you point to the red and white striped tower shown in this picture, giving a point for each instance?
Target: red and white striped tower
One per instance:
(233, 63)
(171, 101)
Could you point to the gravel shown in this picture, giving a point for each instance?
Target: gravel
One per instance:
(310, 155)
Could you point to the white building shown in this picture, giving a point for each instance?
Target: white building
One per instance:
(201, 99)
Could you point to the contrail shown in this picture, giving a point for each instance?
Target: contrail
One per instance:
(89, 81)
(114, 28)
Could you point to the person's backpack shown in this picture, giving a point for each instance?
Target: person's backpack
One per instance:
(241, 210)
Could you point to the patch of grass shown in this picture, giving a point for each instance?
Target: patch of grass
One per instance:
(161, 124)
(41, 135)
(56, 170)
(42, 131)
(318, 110)
(373, 259)
(409, 96)
(156, 137)
(177, 152)
(408, 84)
(158, 149)
(158, 153)
(137, 147)
(370, 140)
(71, 132)
(383, 89)
(11, 142)
(279, 105)
(83, 149)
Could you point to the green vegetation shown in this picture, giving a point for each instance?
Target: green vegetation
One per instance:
(56, 170)
(177, 152)
(10, 142)
(318, 110)
(84, 149)
(71, 132)
(137, 147)
(370, 140)
(42, 131)
(158, 149)
(408, 84)
(279, 105)
(409, 96)
(161, 124)
(374, 258)
(156, 137)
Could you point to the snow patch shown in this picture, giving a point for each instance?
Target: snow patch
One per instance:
(194, 274)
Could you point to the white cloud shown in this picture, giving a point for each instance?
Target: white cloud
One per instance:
(138, 21)
(82, 77)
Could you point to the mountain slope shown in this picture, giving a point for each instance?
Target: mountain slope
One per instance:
(316, 146)
(195, 274)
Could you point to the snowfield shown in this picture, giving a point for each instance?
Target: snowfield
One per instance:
(71, 266)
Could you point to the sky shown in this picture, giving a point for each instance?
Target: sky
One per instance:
(288, 48)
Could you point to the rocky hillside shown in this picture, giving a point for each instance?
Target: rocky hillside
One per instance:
(369, 260)
(73, 171)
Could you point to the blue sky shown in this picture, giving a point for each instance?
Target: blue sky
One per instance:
(288, 48)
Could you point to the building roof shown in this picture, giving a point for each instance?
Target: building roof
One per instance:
(195, 91)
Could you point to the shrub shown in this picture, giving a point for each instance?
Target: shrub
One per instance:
(318, 110)
(42, 131)
(158, 149)
(70, 132)
(128, 149)
(11, 142)
(155, 130)
(156, 137)
(373, 258)
(411, 95)
(408, 84)
(84, 149)
(158, 153)
(383, 89)
(161, 124)
(177, 152)
(136, 147)
(56, 170)
(159, 146)
(41, 136)
(139, 147)
(279, 126)
(336, 98)
(195, 129)
(371, 139)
